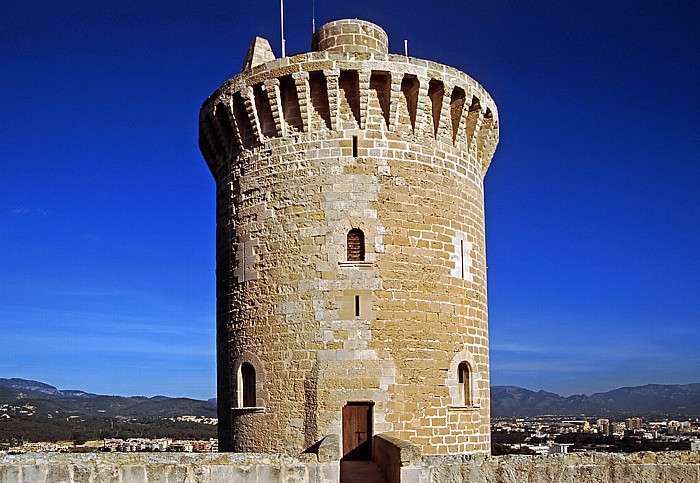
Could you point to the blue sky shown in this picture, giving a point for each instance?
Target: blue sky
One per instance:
(107, 208)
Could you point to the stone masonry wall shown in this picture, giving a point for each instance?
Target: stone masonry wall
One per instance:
(667, 467)
(662, 467)
(163, 468)
(350, 35)
(304, 149)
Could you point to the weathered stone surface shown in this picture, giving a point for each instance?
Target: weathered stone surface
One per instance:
(162, 468)
(571, 468)
(350, 35)
(329, 449)
(304, 149)
(259, 52)
(204, 468)
(395, 457)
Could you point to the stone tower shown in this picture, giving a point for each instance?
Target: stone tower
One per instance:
(351, 268)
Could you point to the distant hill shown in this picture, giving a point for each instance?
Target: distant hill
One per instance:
(39, 388)
(506, 401)
(47, 399)
(652, 399)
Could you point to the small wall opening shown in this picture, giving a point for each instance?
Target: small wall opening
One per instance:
(472, 118)
(214, 139)
(321, 112)
(380, 83)
(409, 87)
(349, 86)
(356, 245)
(242, 121)
(357, 305)
(457, 102)
(484, 132)
(354, 146)
(464, 379)
(290, 105)
(262, 106)
(221, 117)
(246, 386)
(436, 91)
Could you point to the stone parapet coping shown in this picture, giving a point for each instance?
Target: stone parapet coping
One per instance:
(672, 466)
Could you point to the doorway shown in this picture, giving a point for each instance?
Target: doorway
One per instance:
(357, 430)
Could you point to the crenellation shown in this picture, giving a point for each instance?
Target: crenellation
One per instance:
(445, 124)
(274, 100)
(363, 79)
(332, 97)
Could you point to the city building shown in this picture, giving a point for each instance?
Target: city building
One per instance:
(633, 423)
(695, 445)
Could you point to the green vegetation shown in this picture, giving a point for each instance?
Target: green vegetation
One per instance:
(21, 429)
(503, 449)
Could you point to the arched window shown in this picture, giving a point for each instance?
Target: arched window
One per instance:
(356, 245)
(246, 386)
(464, 375)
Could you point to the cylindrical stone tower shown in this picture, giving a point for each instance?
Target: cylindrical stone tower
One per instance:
(351, 269)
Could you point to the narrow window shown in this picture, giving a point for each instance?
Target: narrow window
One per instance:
(354, 146)
(357, 305)
(247, 380)
(464, 383)
(356, 245)
(461, 257)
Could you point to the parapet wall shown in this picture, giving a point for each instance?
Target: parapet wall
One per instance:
(163, 468)
(328, 92)
(667, 467)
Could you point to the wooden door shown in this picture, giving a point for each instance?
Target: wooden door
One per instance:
(357, 431)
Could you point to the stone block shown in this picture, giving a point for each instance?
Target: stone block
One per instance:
(10, 474)
(161, 473)
(135, 474)
(59, 473)
(296, 473)
(36, 473)
(106, 473)
(82, 473)
(269, 473)
(413, 475)
(226, 473)
(677, 473)
(329, 472)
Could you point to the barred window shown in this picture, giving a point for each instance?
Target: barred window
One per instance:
(356, 245)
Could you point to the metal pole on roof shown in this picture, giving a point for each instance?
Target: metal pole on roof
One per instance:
(313, 16)
(282, 25)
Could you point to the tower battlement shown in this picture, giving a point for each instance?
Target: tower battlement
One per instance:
(351, 252)
(344, 89)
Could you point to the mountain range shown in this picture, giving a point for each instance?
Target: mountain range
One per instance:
(648, 400)
(506, 401)
(46, 399)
